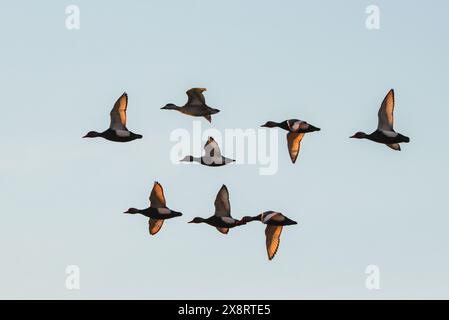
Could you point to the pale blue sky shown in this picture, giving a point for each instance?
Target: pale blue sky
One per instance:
(358, 203)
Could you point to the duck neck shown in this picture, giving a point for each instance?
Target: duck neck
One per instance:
(255, 218)
(196, 159)
(284, 125)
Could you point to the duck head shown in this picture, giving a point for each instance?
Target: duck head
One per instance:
(197, 220)
(132, 211)
(270, 124)
(359, 135)
(170, 106)
(92, 134)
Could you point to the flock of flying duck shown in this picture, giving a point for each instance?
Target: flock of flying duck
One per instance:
(222, 220)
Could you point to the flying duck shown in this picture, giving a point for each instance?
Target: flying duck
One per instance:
(274, 221)
(158, 211)
(212, 156)
(117, 129)
(222, 219)
(296, 130)
(385, 133)
(196, 105)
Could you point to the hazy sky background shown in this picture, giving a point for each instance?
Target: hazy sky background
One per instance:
(358, 203)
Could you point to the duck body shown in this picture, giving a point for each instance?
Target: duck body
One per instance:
(387, 137)
(115, 135)
(205, 161)
(292, 125)
(156, 213)
(117, 130)
(284, 221)
(196, 105)
(220, 222)
(198, 111)
(271, 218)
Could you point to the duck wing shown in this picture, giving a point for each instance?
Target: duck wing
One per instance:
(208, 117)
(294, 144)
(273, 239)
(223, 230)
(222, 205)
(395, 146)
(157, 198)
(195, 96)
(385, 113)
(155, 225)
(118, 113)
(212, 149)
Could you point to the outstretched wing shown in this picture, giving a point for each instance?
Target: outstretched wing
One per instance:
(273, 238)
(395, 146)
(212, 149)
(118, 113)
(385, 113)
(157, 197)
(155, 225)
(196, 96)
(294, 144)
(222, 205)
(223, 230)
